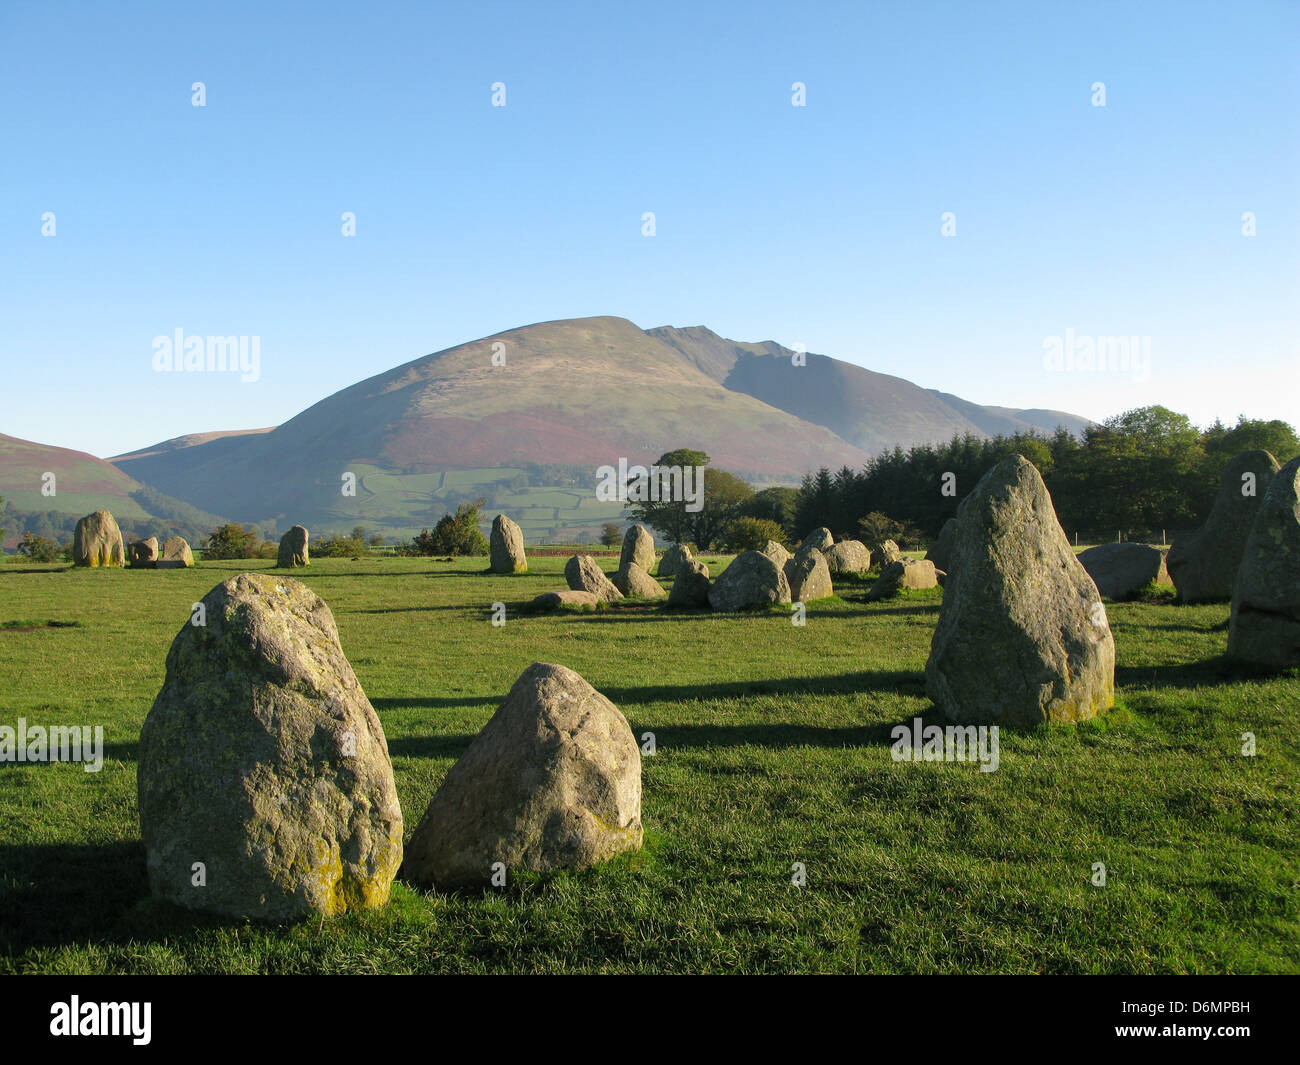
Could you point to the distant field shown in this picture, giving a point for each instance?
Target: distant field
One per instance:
(400, 505)
(773, 748)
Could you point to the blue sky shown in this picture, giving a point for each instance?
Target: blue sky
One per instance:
(818, 225)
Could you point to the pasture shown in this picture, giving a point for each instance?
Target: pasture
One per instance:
(773, 747)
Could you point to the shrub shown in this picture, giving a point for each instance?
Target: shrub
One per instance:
(38, 549)
(455, 534)
(231, 541)
(750, 534)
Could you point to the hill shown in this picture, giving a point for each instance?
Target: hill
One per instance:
(83, 483)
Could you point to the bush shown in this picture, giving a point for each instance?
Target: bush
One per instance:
(455, 534)
(750, 534)
(231, 541)
(39, 549)
(610, 534)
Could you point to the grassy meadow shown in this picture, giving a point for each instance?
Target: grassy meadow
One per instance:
(773, 747)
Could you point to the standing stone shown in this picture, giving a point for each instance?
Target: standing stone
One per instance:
(263, 759)
(821, 539)
(293, 549)
(1022, 635)
(584, 575)
(507, 547)
(940, 552)
(1203, 564)
(1121, 570)
(553, 781)
(904, 573)
(176, 554)
(143, 553)
(889, 552)
(691, 585)
(672, 560)
(809, 576)
(638, 547)
(752, 580)
(1264, 627)
(848, 556)
(776, 552)
(97, 541)
(636, 583)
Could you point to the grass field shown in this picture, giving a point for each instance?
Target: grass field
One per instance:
(773, 747)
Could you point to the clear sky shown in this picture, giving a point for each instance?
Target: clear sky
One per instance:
(816, 225)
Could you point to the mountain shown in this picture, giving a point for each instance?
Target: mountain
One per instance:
(81, 484)
(581, 392)
(522, 418)
(872, 410)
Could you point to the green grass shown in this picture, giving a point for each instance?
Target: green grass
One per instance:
(773, 747)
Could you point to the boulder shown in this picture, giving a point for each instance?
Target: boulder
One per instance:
(176, 554)
(672, 560)
(1203, 564)
(1121, 570)
(263, 760)
(97, 541)
(941, 550)
(636, 583)
(293, 549)
(904, 573)
(566, 598)
(583, 574)
(1022, 635)
(691, 585)
(143, 553)
(776, 552)
(889, 552)
(553, 781)
(638, 547)
(821, 539)
(808, 575)
(507, 546)
(1264, 627)
(846, 557)
(752, 580)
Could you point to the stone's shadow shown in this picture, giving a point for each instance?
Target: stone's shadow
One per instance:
(1207, 673)
(56, 894)
(6, 571)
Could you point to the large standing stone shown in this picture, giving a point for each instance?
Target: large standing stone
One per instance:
(821, 539)
(1022, 635)
(263, 760)
(904, 573)
(752, 580)
(672, 559)
(507, 547)
(889, 552)
(293, 549)
(97, 541)
(1265, 624)
(176, 554)
(638, 547)
(1203, 564)
(584, 575)
(1121, 570)
(848, 556)
(143, 553)
(776, 552)
(940, 552)
(553, 781)
(809, 576)
(636, 583)
(691, 585)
